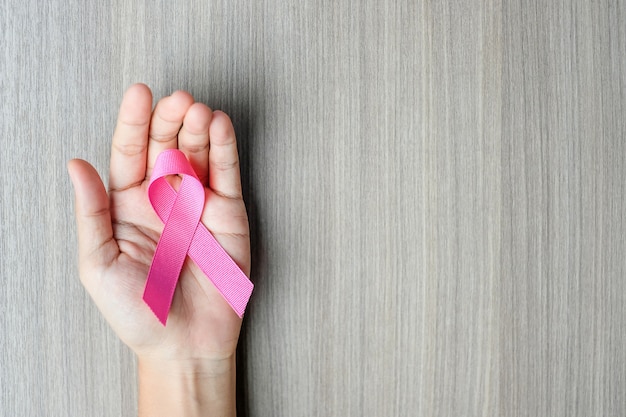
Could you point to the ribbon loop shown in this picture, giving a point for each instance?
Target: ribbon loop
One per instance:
(184, 234)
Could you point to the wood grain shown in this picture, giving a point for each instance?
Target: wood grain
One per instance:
(436, 192)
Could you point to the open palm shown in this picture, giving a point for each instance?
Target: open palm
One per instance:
(118, 232)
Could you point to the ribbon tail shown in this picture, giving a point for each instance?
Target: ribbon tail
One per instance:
(221, 269)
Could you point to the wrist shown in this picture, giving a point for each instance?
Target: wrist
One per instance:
(198, 367)
(190, 387)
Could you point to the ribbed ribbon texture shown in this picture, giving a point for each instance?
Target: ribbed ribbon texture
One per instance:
(185, 235)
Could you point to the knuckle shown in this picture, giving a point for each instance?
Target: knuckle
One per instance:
(130, 149)
(230, 196)
(162, 138)
(226, 165)
(195, 148)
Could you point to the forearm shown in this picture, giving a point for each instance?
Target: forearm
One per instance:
(187, 389)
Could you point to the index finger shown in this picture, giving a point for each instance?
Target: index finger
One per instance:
(130, 140)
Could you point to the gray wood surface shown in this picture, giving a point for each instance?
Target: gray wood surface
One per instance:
(436, 192)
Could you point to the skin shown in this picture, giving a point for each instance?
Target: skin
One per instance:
(188, 367)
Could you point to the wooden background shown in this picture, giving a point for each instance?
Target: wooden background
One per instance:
(436, 191)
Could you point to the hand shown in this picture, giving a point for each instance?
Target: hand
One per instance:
(118, 231)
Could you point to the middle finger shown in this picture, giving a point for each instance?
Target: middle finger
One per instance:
(167, 119)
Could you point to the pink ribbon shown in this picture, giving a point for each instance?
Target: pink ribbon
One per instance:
(184, 234)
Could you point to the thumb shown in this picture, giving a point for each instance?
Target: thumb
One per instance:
(96, 246)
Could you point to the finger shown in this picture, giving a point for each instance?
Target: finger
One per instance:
(130, 140)
(193, 139)
(224, 176)
(96, 246)
(166, 122)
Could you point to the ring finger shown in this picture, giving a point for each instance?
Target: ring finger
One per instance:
(193, 139)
